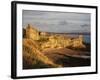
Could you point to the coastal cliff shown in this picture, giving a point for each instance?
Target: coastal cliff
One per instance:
(51, 50)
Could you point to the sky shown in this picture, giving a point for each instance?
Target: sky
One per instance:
(61, 22)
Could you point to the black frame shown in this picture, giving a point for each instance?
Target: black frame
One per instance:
(14, 37)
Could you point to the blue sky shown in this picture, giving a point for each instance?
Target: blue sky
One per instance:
(61, 22)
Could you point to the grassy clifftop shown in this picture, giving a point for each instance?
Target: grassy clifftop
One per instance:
(33, 58)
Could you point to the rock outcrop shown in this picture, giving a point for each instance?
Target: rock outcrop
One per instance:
(32, 32)
(78, 42)
(53, 41)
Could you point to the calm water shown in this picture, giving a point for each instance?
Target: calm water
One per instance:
(87, 38)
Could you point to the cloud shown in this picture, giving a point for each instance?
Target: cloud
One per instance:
(57, 21)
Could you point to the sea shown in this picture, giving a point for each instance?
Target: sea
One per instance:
(87, 38)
